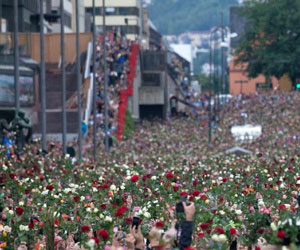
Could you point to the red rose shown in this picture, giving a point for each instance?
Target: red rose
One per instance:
(183, 194)
(27, 191)
(76, 198)
(195, 182)
(257, 248)
(220, 230)
(204, 226)
(281, 234)
(261, 230)
(203, 197)
(50, 187)
(134, 178)
(103, 206)
(19, 211)
(221, 199)
(96, 240)
(12, 175)
(196, 192)
(189, 248)
(201, 235)
(281, 207)
(103, 233)
(31, 225)
(85, 229)
(169, 176)
(175, 188)
(128, 221)
(232, 231)
(159, 224)
(120, 212)
(56, 222)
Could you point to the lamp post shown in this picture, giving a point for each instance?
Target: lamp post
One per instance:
(211, 83)
(78, 80)
(94, 85)
(105, 81)
(43, 75)
(16, 58)
(63, 77)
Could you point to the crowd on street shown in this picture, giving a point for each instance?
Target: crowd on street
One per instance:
(166, 187)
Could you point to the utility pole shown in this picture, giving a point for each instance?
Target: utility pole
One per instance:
(63, 77)
(78, 76)
(43, 75)
(105, 81)
(223, 60)
(94, 85)
(16, 58)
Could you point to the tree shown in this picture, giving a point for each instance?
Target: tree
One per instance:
(204, 81)
(271, 42)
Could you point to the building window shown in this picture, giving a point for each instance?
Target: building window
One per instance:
(113, 11)
(68, 20)
(151, 79)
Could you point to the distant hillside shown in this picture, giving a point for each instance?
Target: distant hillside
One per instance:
(173, 17)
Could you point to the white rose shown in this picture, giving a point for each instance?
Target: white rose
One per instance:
(215, 237)
(7, 229)
(21, 203)
(147, 215)
(91, 243)
(153, 178)
(238, 212)
(45, 192)
(113, 187)
(82, 198)
(222, 238)
(273, 226)
(4, 167)
(222, 212)
(108, 218)
(96, 210)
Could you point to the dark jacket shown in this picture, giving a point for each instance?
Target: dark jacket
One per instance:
(186, 234)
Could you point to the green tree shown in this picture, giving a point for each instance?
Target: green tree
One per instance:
(203, 81)
(173, 17)
(271, 42)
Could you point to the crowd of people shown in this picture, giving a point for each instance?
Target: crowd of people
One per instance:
(117, 55)
(229, 201)
(166, 187)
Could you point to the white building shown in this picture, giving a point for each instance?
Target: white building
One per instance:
(185, 51)
(68, 14)
(124, 16)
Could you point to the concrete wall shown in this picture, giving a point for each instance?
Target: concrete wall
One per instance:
(133, 101)
(151, 96)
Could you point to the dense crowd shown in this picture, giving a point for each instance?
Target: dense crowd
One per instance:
(164, 188)
(117, 55)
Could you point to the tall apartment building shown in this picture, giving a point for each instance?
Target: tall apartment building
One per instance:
(124, 16)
